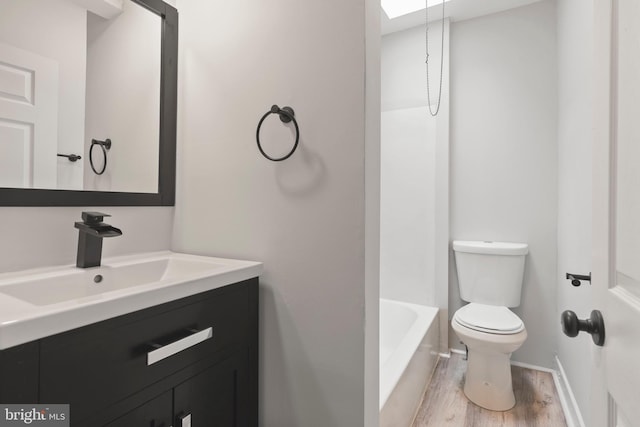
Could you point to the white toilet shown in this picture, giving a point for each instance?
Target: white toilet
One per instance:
(490, 278)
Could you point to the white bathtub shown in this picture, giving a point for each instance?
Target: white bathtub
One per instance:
(409, 338)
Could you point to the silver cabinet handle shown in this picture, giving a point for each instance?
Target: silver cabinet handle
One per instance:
(178, 346)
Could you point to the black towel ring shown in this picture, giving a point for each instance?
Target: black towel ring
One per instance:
(105, 145)
(286, 115)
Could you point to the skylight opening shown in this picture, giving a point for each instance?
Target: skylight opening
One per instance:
(395, 8)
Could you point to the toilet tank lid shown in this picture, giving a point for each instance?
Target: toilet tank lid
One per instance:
(490, 248)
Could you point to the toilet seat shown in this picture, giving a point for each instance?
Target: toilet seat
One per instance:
(490, 319)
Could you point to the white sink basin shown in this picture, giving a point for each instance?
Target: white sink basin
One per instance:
(77, 283)
(42, 302)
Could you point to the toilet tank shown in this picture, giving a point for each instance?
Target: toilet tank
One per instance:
(490, 272)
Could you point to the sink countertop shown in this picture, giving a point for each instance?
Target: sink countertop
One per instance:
(22, 321)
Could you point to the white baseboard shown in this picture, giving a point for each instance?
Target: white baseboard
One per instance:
(534, 367)
(567, 399)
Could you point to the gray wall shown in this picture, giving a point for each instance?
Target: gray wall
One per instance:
(504, 154)
(575, 112)
(372, 214)
(304, 217)
(45, 236)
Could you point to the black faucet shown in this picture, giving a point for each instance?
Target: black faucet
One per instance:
(92, 231)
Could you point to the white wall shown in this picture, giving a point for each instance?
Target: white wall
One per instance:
(55, 29)
(304, 217)
(404, 78)
(123, 99)
(45, 236)
(407, 203)
(504, 154)
(415, 172)
(575, 110)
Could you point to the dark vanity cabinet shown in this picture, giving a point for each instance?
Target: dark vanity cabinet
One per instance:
(189, 362)
(157, 412)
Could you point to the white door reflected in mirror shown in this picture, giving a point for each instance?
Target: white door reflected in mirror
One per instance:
(28, 118)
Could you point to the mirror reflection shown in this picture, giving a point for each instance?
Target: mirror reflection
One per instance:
(75, 74)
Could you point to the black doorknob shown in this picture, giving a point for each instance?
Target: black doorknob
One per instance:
(594, 325)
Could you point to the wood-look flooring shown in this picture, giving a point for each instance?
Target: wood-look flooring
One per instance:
(445, 405)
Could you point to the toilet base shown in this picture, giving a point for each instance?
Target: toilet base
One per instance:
(488, 381)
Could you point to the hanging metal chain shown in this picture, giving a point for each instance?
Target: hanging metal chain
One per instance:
(426, 12)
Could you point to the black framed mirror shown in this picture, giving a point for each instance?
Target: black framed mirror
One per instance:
(158, 105)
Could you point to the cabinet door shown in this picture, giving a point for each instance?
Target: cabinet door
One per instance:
(217, 397)
(155, 413)
(19, 374)
(95, 366)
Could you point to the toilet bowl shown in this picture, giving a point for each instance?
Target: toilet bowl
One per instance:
(491, 333)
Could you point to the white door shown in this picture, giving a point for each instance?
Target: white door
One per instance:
(616, 213)
(28, 119)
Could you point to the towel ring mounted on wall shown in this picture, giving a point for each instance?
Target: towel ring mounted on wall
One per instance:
(105, 145)
(286, 115)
